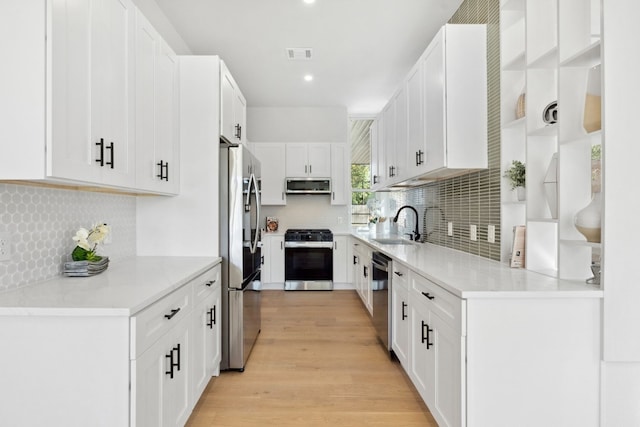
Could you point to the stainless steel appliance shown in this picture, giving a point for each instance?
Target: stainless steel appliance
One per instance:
(308, 258)
(308, 186)
(381, 292)
(239, 237)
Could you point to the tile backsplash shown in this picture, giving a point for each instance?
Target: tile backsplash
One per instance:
(41, 222)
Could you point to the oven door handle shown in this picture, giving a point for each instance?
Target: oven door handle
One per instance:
(379, 266)
(308, 245)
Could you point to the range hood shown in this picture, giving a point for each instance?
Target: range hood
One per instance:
(308, 186)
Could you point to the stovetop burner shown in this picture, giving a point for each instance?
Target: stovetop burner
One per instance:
(308, 235)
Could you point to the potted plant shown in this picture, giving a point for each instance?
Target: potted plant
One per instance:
(517, 178)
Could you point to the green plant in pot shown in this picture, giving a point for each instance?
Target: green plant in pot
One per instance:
(517, 178)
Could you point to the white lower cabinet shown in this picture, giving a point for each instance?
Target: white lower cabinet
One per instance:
(168, 377)
(273, 263)
(362, 274)
(340, 254)
(206, 353)
(400, 314)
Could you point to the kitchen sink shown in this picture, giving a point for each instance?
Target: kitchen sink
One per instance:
(394, 241)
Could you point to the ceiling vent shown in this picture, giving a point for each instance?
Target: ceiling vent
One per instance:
(299, 53)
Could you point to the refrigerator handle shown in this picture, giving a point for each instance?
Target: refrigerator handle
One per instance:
(256, 238)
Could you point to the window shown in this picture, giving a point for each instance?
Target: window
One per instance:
(360, 170)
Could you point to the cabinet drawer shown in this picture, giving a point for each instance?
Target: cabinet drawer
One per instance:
(204, 284)
(444, 304)
(400, 276)
(154, 321)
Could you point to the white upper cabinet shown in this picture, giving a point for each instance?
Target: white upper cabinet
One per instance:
(92, 100)
(272, 159)
(157, 127)
(233, 108)
(308, 160)
(70, 94)
(455, 100)
(340, 178)
(436, 124)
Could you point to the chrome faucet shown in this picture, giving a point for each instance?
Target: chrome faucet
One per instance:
(416, 234)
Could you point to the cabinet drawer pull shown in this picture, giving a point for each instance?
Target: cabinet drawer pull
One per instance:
(112, 149)
(428, 295)
(426, 330)
(355, 259)
(101, 145)
(398, 273)
(173, 313)
(404, 315)
(210, 283)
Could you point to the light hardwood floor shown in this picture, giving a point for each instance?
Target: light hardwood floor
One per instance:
(317, 362)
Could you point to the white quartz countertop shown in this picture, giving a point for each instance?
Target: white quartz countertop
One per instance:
(472, 276)
(126, 287)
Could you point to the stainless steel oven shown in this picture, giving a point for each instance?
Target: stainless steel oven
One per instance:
(308, 258)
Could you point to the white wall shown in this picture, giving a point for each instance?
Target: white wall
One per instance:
(309, 124)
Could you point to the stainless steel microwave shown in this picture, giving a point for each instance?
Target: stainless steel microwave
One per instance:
(308, 186)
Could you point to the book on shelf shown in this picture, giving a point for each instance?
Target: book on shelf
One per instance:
(517, 251)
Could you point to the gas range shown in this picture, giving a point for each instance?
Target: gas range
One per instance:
(308, 235)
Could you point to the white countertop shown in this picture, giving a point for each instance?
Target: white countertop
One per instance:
(125, 288)
(472, 276)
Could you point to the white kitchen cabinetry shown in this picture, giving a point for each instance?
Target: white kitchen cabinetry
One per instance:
(157, 127)
(340, 176)
(416, 140)
(340, 259)
(395, 137)
(272, 159)
(273, 252)
(378, 161)
(455, 100)
(233, 108)
(437, 349)
(400, 314)
(68, 98)
(362, 274)
(206, 351)
(122, 340)
(308, 160)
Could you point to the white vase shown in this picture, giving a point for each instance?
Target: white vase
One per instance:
(521, 193)
(588, 220)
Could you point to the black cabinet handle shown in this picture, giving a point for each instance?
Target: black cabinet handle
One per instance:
(101, 145)
(166, 171)
(375, 179)
(365, 271)
(417, 158)
(429, 343)
(424, 327)
(420, 157)
(398, 273)
(428, 295)
(210, 321)
(210, 283)
(161, 165)
(355, 260)
(238, 133)
(214, 315)
(426, 330)
(262, 260)
(404, 315)
(310, 169)
(170, 357)
(112, 162)
(173, 313)
(177, 349)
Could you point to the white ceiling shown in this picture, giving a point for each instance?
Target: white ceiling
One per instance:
(361, 48)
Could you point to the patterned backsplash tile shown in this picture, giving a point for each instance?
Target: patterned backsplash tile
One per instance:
(42, 221)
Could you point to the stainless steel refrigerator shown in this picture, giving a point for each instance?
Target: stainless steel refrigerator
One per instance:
(239, 248)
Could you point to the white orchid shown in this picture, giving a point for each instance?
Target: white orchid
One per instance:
(87, 242)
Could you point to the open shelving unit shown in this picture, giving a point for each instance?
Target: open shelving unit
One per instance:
(548, 49)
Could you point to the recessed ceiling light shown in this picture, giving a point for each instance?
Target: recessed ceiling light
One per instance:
(309, 1)
(308, 77)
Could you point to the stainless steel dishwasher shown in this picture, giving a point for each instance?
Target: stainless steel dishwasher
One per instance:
(381, 291)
